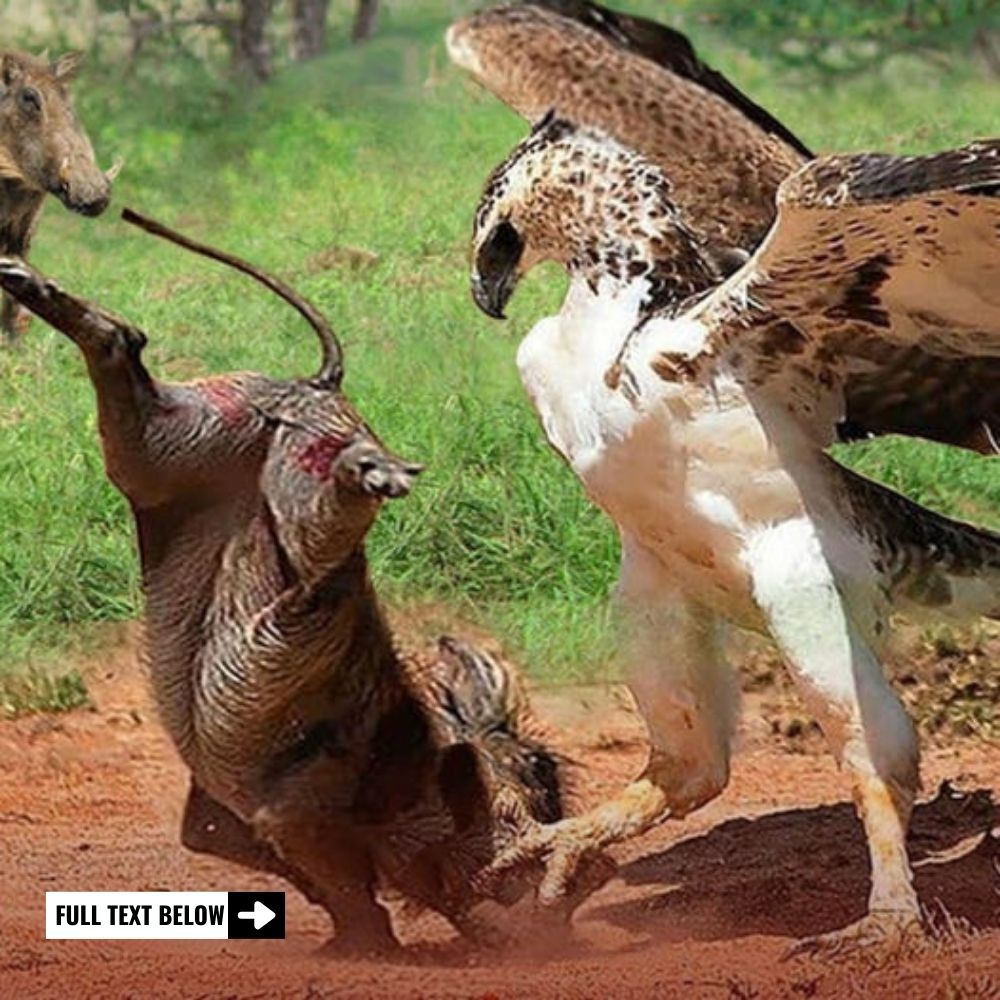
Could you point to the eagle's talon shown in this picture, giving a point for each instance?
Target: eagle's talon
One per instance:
(881, 935)
(570, 856)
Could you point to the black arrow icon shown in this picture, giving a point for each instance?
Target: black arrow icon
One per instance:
(256, 915)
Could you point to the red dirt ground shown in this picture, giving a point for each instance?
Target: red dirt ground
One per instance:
(703, 908)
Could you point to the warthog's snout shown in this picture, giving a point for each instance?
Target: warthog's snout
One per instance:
(85, 189)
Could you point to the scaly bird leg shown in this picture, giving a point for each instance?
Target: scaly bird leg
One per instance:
(569, 850)
(685, 691)
(867, 728)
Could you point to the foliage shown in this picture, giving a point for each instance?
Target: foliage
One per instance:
(225, 38)
(41, 691)
(853, 35)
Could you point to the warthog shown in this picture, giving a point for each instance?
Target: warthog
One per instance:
(317, 749)
(43, 150)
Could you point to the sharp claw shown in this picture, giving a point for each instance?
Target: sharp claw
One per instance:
(801, 949)
(559, 871)
(571, 870)
(521, 855)
(884, 932)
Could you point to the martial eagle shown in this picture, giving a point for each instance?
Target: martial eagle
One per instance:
(697, 408)
(644, 85)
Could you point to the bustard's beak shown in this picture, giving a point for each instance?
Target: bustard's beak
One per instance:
(495, 274)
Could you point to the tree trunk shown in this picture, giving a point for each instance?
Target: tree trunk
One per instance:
(364, 20)
(987, 48)
(308, 28)
(253, 51)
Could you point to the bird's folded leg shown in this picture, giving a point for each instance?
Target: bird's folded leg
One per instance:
(570, 851)
(678, 366)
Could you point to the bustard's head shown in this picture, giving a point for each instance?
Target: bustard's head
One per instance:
(575, 196)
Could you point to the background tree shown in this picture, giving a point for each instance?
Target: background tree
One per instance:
(309, 27)
(253, 49)
(248, 28)
(364, 20)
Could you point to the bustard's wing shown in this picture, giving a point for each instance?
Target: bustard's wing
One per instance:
(873, 303)
(643, 84)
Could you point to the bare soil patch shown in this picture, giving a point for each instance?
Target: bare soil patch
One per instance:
(703, 908)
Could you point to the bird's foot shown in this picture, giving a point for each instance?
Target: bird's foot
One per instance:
(570, 854)
(881, 936)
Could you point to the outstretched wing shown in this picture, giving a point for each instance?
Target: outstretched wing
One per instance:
(673, 52)
(874, 301)
(643, 84)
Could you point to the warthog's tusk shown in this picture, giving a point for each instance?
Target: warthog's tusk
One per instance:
(115, 169)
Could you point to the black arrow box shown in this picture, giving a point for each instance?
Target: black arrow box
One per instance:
(243, 928)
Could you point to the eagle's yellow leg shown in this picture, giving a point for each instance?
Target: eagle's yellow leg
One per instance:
(823, 622)
(565, 848)
(893, 919)
(686, 693)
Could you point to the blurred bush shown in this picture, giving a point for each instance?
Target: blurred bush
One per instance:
(250, 39)
(850, 36)
(248, 36)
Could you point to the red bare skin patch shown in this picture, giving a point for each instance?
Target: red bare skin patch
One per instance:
(317, 458)
(224, 397)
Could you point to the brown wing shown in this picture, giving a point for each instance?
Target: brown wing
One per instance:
(880, 281)
(913, 392)
(644, 85)
(672, 51)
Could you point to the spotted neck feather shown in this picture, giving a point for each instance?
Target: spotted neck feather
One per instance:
(601, 210)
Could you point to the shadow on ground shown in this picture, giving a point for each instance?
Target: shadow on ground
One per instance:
(805, 871)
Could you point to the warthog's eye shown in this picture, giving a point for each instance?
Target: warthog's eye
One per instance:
(30, 100)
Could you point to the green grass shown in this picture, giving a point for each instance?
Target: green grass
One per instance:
(383, 149)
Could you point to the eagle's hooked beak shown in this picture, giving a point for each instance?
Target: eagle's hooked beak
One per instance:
(492, 294)
(495, 275)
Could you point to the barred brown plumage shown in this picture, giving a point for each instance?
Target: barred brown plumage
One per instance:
(317, 750)
(643, 85)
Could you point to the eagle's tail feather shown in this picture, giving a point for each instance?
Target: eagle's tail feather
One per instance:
(930, 562)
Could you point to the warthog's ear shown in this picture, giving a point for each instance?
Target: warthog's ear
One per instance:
(65, 67)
